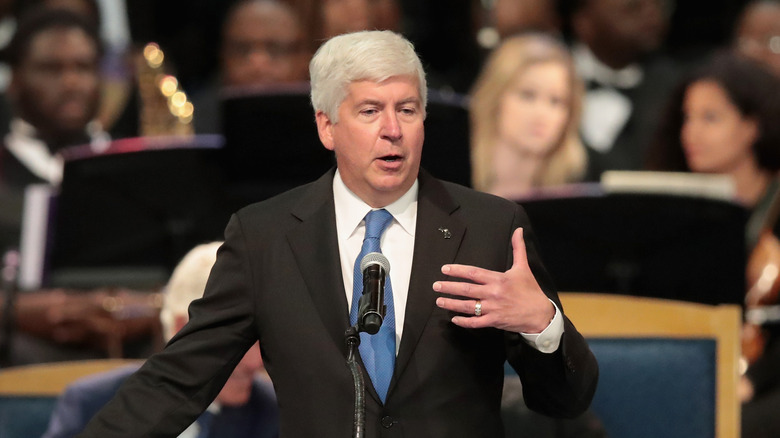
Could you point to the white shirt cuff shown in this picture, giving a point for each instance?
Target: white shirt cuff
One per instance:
(550, 338)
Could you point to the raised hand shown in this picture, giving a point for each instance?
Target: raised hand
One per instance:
(511, 300)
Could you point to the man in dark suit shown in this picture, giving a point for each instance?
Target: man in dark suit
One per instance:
(616, 52)
(54, 94)
(246, 405)
(466, 292)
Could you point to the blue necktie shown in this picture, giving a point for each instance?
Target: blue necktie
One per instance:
(377, 351)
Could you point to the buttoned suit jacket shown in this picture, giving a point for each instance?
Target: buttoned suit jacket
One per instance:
(278, 279)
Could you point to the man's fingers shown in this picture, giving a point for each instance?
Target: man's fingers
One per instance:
(466, 307)
(467, 272)
(519, 255)
(472, 322)
(459, 288)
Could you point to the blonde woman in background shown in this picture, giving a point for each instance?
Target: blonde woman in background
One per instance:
(525, 112)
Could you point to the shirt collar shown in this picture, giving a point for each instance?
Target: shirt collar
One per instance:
(22, 141)
(351, 209)
(33, 153)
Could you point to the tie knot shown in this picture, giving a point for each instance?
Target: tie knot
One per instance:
(376, 222)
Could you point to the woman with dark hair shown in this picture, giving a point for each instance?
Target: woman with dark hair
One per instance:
(724, 119)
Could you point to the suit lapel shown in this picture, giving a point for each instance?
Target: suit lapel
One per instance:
(437, 238)
(315, 247)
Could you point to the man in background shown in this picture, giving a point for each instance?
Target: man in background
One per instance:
(54, 94)
(758, 32)
(616, 47)
(262, 47)
(246, 406)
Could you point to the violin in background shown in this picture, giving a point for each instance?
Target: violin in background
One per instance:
(762, 303)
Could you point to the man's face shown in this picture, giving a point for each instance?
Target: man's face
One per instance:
(262, 45)
(238, 388)
(758, 34)
(634, 26)
(345, 16)
(378, 138)
(56, 85)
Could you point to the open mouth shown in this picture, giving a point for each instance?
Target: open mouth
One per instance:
(391, 158)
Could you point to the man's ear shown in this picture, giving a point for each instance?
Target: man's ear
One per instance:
(325, 129)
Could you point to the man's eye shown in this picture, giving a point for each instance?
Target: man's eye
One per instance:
(239, 49)
(410, 113)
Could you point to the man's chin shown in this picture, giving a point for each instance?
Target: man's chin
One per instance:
(73, 133)
(393, 183)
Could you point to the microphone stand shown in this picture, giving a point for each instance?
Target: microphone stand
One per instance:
(359, 419)
(370, 316)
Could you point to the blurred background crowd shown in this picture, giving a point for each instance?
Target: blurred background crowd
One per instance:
(131, 129)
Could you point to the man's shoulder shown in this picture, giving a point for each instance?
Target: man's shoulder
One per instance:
(86, 396)
(101, 384)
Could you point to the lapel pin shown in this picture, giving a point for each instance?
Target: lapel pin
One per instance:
(446, 232)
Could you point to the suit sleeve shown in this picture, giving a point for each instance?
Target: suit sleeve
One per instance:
(560, 384)
(173, 387)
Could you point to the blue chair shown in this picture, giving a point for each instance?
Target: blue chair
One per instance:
(28, 393)
(667, 368)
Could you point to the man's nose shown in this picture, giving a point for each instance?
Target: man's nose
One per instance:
(73, 78)
(260, 61)
(391, 128)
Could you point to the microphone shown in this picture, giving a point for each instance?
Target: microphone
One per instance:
(371, 310)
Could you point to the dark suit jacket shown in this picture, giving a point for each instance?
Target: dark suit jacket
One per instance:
(278, 279)
(258, 418)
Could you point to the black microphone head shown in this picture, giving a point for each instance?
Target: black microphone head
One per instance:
(375, 258)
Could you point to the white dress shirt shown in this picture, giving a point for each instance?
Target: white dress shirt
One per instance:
(397, 245)
(605, 110)
(397, 242)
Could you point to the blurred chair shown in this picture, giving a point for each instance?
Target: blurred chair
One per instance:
(667, 368)
(28, 393)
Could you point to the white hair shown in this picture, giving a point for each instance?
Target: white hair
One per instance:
(367, 55)
(186, 284)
